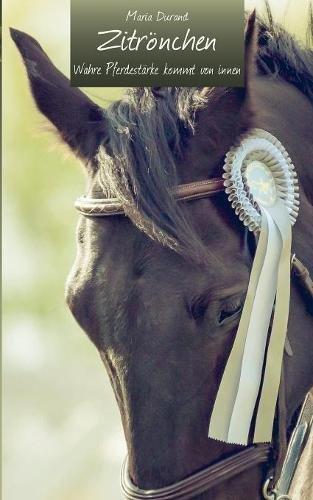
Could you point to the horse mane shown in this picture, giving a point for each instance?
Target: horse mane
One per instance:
(148, 130)
(281, 55)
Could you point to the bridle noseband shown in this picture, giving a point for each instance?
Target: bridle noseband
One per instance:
(242, 461)
(200, 482)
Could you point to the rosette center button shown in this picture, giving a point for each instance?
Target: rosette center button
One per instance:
(261, 183)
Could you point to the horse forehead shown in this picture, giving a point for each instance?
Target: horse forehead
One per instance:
(114, 246)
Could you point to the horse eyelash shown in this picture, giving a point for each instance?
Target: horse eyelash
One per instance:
(233, 305)
(230, 309)
(199, 305)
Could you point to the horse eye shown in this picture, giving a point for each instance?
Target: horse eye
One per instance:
(230, 311)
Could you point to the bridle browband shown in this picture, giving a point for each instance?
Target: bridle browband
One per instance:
(242, 461)
(102, 207)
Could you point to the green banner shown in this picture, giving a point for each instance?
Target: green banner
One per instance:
(198, 43)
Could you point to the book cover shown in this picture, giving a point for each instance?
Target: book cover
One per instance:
(157, 249)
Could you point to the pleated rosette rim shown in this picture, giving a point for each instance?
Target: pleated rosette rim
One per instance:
(259, 145)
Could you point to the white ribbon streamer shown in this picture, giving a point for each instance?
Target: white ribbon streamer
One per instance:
(272, 375)
(235, 403)
(253, 357)
(225, 400)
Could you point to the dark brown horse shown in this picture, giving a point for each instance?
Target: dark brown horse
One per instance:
(160, 292)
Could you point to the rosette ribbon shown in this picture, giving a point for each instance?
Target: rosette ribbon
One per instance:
(261, 184)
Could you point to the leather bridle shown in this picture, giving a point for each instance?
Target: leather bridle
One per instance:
(103, 207)
(202, 481)
(252, 456)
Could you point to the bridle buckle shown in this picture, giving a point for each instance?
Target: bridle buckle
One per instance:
(270, 493)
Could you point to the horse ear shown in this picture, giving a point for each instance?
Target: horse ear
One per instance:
(251, 43)
(228, 112)
(239, 99)
(80, 122)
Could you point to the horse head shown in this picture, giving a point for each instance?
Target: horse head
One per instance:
(160, 292)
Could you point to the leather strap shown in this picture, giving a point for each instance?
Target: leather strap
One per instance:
(198, 190)
(303, 278)
(102, 207)
(202, 481)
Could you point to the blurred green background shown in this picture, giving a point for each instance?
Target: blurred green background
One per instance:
(62, 433)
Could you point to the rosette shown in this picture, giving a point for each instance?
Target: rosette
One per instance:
(262, 187)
